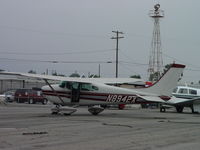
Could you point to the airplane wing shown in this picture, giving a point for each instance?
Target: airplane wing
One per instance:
(31, 76)
(172, 101)
(153, 99)
(72, 79)
(182, 101)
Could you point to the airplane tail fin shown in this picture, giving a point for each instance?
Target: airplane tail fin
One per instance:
(165, 85)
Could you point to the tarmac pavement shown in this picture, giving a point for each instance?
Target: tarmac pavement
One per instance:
(32, 127)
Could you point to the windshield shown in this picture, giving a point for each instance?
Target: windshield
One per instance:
(175, 90)
(62, 84)
(65, 84)
(88, 87)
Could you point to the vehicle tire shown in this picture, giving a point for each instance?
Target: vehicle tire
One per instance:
(18, 100)
(179, 109)
(44, 101)
(30, 101)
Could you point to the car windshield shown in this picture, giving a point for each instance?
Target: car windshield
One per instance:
(10, 92)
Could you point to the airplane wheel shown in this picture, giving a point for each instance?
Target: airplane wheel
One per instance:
(44, 102)
(194, 112)
(95, 114)
(162, 109)
(67, 114)
(95, 110)
(55, 110)
(54, 113)
(192, 108)
(179, 109)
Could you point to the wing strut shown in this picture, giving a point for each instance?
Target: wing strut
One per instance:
(54, 90)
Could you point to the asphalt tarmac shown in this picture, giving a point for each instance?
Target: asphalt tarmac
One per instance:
(32, 127)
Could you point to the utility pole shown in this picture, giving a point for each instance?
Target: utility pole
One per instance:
(117, 48)
(99, 70)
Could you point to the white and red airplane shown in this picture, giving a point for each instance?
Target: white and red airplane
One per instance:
(94, 92)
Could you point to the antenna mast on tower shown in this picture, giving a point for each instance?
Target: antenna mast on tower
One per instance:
(155, 61)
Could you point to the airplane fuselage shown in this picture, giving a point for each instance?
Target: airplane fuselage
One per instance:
(94, 95)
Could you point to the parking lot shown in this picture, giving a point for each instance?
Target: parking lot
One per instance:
(29, 126)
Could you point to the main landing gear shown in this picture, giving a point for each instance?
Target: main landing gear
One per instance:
(179, 109)
(95, 109)
(163, 108)
(66, 110)
(63, 110)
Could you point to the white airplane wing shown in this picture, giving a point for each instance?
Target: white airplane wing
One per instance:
(72, 79)
(182, 101)
(31, 76)
(153, 99)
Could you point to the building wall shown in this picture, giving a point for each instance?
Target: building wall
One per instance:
(8, 84)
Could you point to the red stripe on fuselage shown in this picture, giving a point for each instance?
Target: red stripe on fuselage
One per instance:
(91, 96)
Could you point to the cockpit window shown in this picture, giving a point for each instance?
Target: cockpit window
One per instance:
(65, 84)
(175, 90)
(183, 91)
(75, 85)
(193, 92)
(95, 88)
(88, 87)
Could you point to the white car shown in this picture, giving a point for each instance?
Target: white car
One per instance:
(9, 96)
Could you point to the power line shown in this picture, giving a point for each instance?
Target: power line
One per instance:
(50, 32)
(196, 70)
(175, 59)
(132, 62)
(54, 61)
(130, 70)
(86, 62)
(65, 53)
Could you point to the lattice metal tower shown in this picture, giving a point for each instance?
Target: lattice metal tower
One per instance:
(155, 61)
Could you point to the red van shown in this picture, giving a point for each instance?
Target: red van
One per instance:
(29, 95)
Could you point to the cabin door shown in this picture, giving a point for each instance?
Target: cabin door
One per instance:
(75, 92)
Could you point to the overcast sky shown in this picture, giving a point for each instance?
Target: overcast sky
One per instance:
(32, 31)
